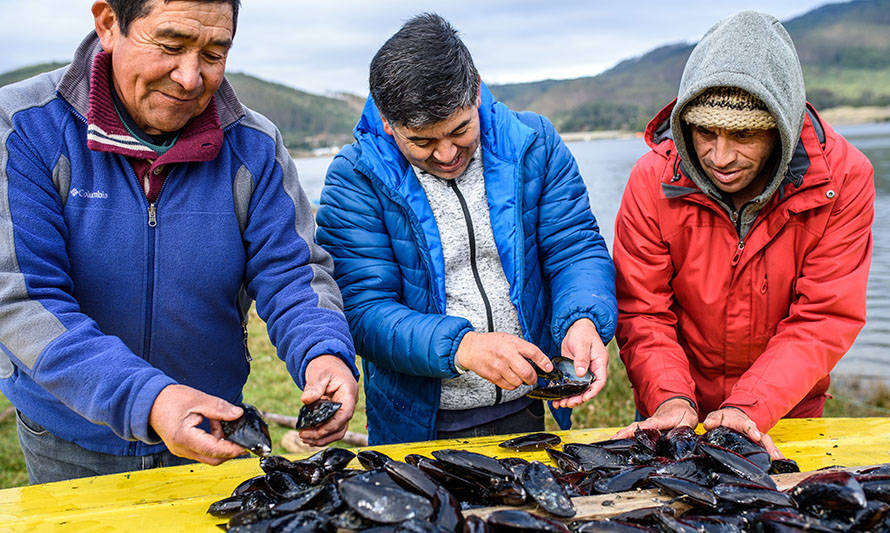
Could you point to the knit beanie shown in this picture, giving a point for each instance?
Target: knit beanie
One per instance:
(728, 108)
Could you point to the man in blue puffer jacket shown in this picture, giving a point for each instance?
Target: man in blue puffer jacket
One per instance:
(464, 246)
(142, 207)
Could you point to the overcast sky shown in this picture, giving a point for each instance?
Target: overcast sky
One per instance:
(325, 46)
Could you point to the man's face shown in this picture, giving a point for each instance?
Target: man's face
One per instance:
(735, 160)
(443, 148)
(171, 62)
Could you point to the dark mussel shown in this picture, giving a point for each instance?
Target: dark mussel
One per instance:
(514, 464)
(876, 487)
(251, 484)
(475, 524)
(729, 461)
(561, 382)
(591, 456)
(383, 503)
(783, 466)
(732, 440)
(331, 459)
(316, 413)
(473, 465)
(284, 485)
(532, 441)
(695, 469)
(678, 443)
(372, 459)
(448, 517)
(789, 520)
(834, 490)
(226, 507)
(566, 462)
(249, 431)
(302, 471)
(624, 479)
(505, 492)
(609, 526)
(749, 494)
(514, 520)
(549, 494)
(875, 517)
(682, 487)
(711, 524)
(412, 478)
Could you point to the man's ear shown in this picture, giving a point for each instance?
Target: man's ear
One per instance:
(106, 24)
(386, 127)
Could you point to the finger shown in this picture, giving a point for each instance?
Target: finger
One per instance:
(534, 354)
(599, 360)
(509, 379)
(202, 446)
(314, 390)
(627, 432)
(714, 419)
(218, 409)
(771, 448)
(523, 370)
(751, 431)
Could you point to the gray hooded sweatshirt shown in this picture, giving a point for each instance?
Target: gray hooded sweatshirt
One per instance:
(753, 52)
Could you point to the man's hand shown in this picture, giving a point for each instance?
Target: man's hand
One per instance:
(501, 358)
(328, 377)
(738, 420)
(176, 414)
(582, 343)
(670, 414)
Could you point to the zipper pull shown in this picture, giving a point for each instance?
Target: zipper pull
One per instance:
(246, 349)
(738, 253)
(152, 216)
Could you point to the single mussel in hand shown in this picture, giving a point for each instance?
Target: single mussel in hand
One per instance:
(532, 441)
(561, 382)
(316, 413)
(249, 430)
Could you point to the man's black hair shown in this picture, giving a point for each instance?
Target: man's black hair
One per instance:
(423, 73)
(127, 11)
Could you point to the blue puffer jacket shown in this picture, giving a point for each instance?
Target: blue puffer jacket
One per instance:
(376, 222)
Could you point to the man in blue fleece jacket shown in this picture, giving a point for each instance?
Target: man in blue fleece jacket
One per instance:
(142, 208)
(464, 245)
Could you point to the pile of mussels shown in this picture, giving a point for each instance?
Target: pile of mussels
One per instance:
(721, 476)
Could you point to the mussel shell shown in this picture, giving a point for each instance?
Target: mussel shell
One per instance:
(876, 487)
(549, 494)
(752, 495)
(383, 504)
(682, 487)
(514, 520)
(471, 464)
(829, 490)
(678, 443)
(624, 479)
(372, 459)
(732, 440)
(316, 413)
(412, 478)
(610, 526)
(591, 456)
(783, 466)
(728, 460)
(251, 484)
(302, 471)
(532, 441)
(226, 507)
(249, 431)
(561, 382)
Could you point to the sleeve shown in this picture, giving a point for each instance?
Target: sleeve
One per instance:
(829, 304)
(42, 329)
(574, 256)
(289, 275)
(353, 227)
(656, 364)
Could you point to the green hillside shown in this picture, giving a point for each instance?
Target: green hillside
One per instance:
(844, 50)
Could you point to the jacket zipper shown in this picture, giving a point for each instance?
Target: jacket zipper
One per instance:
(472, 238)
(150, 263)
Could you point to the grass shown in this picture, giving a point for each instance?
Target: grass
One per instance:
(271, 389)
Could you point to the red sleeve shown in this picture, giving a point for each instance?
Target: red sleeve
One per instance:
(656, 364)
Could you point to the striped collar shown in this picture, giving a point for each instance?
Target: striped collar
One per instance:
(201, 139)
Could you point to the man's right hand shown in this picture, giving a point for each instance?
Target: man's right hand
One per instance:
(501, 358)
(176, 414)
(670, 414)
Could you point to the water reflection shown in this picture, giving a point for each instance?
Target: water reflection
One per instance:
(606, 164)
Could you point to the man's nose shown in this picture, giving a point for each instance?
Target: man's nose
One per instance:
(188, 73)
(445, 151)
(724, 152)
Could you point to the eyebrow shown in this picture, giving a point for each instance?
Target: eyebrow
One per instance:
(172, 33)
(458, 127)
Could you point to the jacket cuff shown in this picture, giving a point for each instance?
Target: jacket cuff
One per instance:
(140, 428)
(331, 347)
(458, 368)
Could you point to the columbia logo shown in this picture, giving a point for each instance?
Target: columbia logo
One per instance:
(88, 194)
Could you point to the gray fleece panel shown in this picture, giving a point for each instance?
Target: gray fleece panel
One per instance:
(751, 51)
(320, 261)
(26, 326)
(463, 297)
(242, 190)
(62, 178)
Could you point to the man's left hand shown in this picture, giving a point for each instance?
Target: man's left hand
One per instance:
(582, 343)
(738, 420)
(328, 377)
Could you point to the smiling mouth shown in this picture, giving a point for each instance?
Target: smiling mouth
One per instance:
(451, 165)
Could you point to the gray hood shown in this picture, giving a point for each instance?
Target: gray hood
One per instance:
(751, 51)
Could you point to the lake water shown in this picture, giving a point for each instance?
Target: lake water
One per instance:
(606, 164)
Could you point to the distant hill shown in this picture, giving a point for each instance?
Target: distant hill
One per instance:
(844, 50)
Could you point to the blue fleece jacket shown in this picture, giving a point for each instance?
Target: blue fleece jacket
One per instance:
(104, 301)
(376, 221)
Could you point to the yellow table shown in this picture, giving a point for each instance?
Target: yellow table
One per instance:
(176, 498)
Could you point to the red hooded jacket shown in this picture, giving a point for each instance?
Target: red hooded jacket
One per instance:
(755, 323)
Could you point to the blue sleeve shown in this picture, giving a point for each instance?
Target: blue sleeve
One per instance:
(42, 329)
(290, 276)
(574, 255)
(353, 228)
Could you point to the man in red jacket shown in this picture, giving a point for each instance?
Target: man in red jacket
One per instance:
(742, 244)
